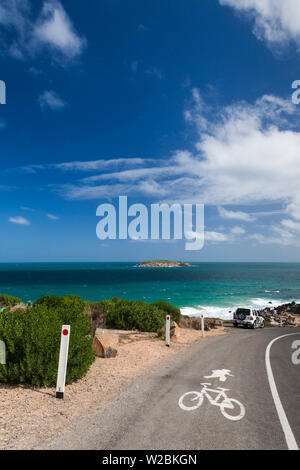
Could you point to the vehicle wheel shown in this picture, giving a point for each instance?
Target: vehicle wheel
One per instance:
(254, 325)
(245, 326)
(185, 401)
(235, 325)
(235, 406)
(262, 325)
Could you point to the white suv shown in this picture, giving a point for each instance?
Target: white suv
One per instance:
(247, 317)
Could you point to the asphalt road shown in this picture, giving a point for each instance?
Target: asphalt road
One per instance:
(147, 415)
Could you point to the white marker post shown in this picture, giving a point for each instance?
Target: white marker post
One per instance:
(63, 361)
(168, 330)
(280, 322)
(202, 324)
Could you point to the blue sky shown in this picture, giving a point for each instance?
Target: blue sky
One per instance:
(173, 101)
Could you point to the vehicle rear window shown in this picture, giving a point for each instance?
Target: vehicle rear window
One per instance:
(246, 311)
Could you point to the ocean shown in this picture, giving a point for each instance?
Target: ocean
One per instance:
(210, 288)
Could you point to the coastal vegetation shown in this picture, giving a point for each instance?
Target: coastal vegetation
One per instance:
(32, 333)
(137, 315)
(32, 338)
(169, 309)
(9, 300)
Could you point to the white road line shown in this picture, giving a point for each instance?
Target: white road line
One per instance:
(289, 436)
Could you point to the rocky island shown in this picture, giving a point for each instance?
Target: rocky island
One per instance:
(162, 263)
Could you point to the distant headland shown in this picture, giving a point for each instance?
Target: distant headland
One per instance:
(162, 263)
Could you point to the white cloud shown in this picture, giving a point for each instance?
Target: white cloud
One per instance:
(277, 239)
(54, 29)
(50, 99)
(19, 220)
(291, 225)
(30, 209)
(85, 166)
(275, 21)
(285, 233)
(52, 217)
(95, 165)
(232, 236)
(135, 174)
(155, 72)
(215, 236)
(226, 214)
(238, 231)
(245, 154)
(137, 66)
(25, 208)
(51, 30)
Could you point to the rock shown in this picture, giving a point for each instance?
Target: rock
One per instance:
(288, 313)
(195, 322)
(291, 320)
(105, 343)
(190, 322)
(185, 321)
(174, 331)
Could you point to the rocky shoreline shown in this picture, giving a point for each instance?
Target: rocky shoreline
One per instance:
(288, 314)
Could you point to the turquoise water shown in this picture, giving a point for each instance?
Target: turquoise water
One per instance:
(211, 288)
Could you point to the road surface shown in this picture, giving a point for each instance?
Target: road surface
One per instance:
(147, 415)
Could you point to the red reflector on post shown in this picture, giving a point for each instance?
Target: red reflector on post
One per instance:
(65, 332)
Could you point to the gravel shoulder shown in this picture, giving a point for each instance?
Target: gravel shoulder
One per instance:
(31, 416)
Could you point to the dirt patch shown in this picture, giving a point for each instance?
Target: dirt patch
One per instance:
(32, 415)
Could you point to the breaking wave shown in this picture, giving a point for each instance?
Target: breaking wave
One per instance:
(225, 312)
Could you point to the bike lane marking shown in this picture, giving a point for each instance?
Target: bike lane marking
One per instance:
(288, 433)
(227, 403)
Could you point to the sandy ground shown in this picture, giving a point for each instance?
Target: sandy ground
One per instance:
(30, 416)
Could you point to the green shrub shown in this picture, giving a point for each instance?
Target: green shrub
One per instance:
(50, 301)
(132, 315)
(169, 309)
(9, 300)
(32, 340)
(56, 301)
(74, 301)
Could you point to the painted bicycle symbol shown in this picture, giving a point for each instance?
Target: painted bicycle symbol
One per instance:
(230, 408)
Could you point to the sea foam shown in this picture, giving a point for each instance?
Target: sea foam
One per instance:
(226, 312)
